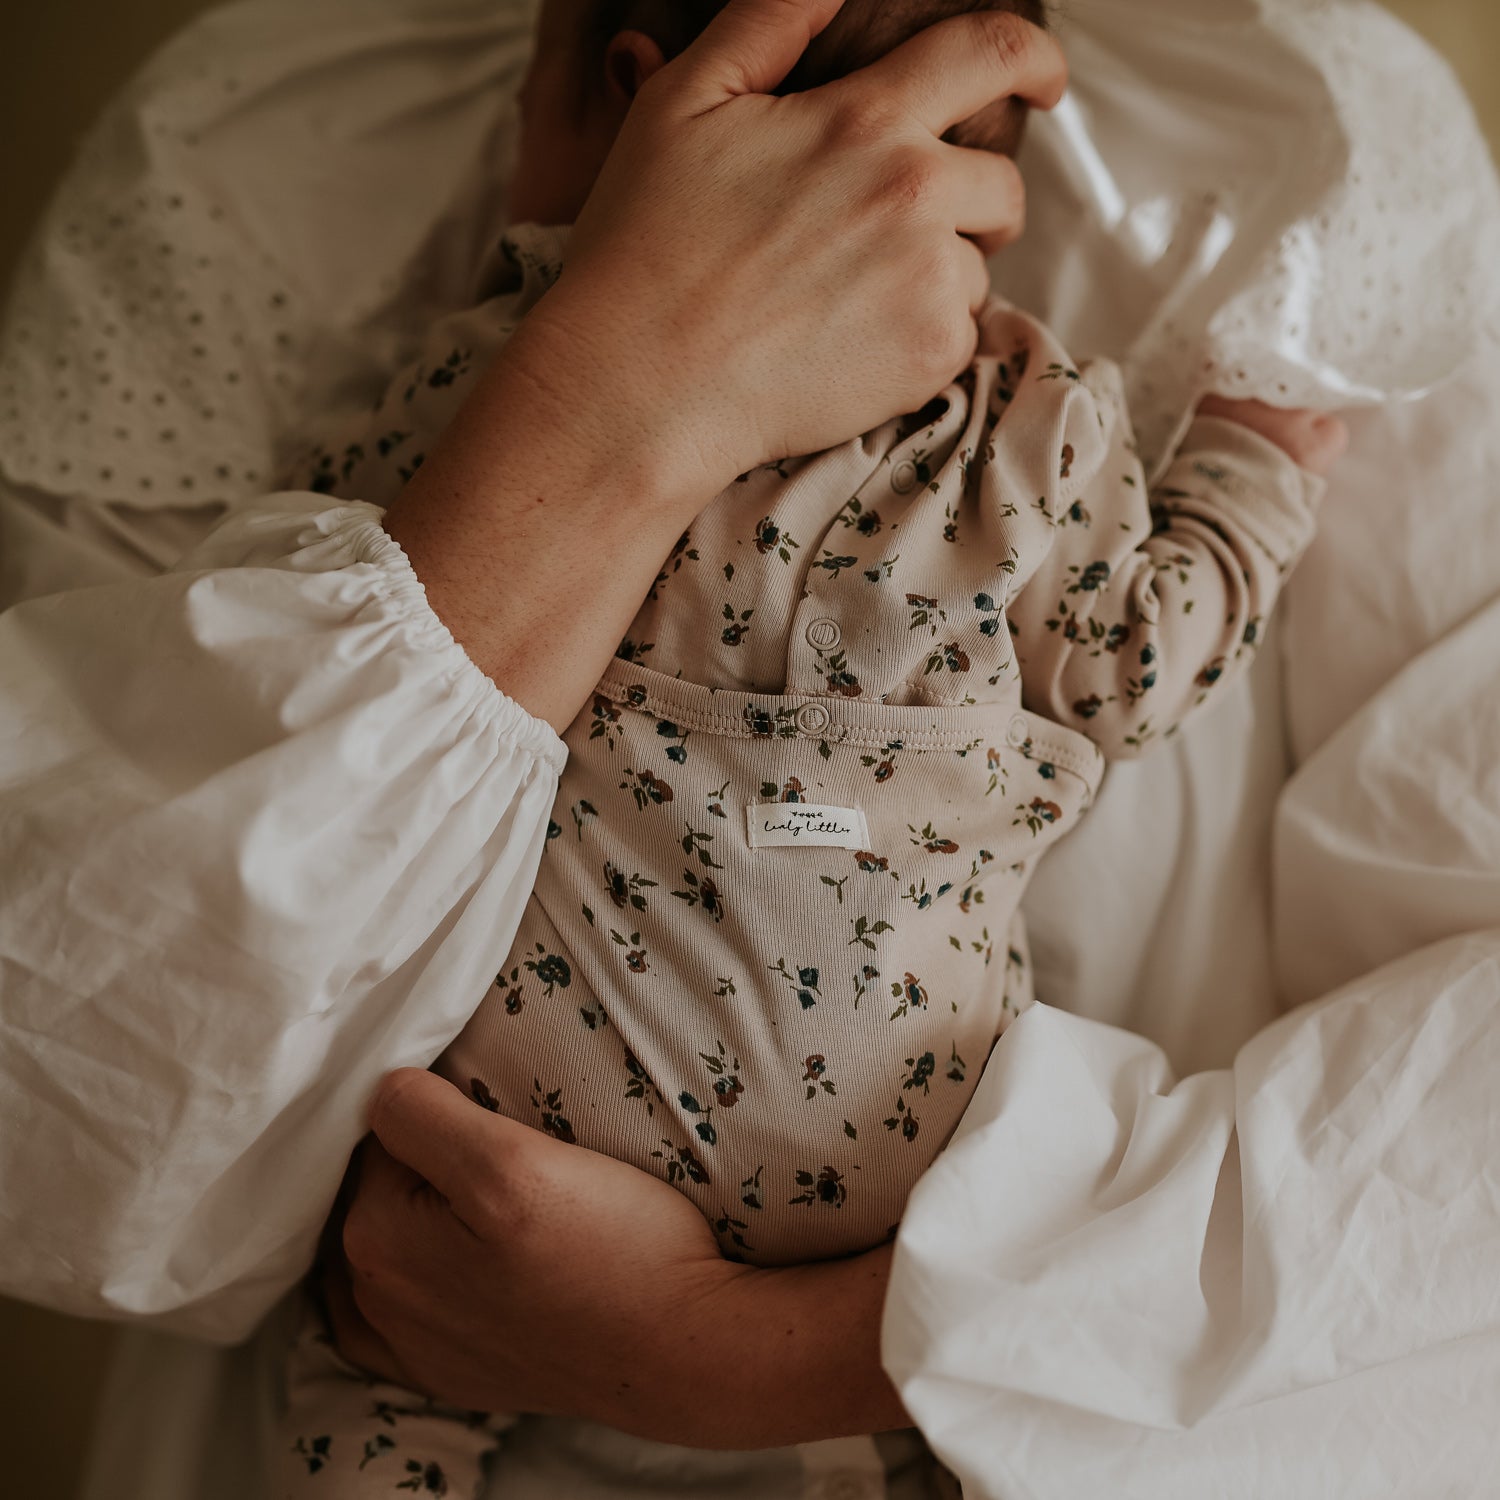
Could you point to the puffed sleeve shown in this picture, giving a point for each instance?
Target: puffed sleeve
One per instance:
(265, 833)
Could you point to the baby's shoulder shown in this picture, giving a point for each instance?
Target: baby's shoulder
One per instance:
(1035, 353)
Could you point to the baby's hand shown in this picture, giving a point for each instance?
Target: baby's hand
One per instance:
(1313, 440)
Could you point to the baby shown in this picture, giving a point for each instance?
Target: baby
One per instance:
(775, 932)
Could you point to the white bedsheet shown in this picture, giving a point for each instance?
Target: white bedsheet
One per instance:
(1282, 1276)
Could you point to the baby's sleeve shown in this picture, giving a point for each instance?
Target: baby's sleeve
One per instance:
(370, 455)
(1147, 602)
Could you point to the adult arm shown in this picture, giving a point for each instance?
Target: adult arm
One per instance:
(596, 1290)
(266, 827)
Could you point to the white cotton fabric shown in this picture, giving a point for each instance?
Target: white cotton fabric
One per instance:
(1286, 199)
(176, 1100)
(1281, 1276)
(325, 179)
(1132, 1276)
(264, 829)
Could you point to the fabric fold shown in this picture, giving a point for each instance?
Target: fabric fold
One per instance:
(306, 794)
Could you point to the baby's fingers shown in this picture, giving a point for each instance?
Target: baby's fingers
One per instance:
(1313, 440)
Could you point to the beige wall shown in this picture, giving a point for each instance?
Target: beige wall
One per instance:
(59, 60)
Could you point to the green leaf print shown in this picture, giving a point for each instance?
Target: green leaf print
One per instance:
(696, 842)
(424, 1479)
(865, 931)
(904, 1121)
(804, 983)
(583, 811)
(377, 1447)
(911, 995)
(625, 890)
(682, 1164)
(635, 958)
(553, 1122)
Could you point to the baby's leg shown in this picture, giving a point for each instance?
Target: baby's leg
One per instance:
(346, 1435)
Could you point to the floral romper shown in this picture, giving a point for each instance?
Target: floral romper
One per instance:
(775, 931)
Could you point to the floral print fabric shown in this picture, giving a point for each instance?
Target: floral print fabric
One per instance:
(945, 626)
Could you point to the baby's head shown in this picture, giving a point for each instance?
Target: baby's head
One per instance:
(592, 56)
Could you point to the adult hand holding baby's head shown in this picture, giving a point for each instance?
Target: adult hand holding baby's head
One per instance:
(1313, 440)
(752, 276)
(755, 276)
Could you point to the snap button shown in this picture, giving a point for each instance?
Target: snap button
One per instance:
(1018, 731)
(824, 634)
(904, 477)
(812, 718)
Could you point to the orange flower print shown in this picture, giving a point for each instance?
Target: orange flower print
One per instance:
(931, 840)
(910, 994)
(1212, 672)
(647, 788)
(949, 656)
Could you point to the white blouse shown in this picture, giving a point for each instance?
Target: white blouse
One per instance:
(265, 833)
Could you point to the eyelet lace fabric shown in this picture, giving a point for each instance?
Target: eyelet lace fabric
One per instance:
(1281, 198)
(256, 231)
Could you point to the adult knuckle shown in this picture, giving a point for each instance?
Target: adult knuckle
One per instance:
(911, 179)
(390, 1095)
(1008, 40)
(935, 269)
(859, 120)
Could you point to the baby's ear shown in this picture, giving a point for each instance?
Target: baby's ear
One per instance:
(629, 60)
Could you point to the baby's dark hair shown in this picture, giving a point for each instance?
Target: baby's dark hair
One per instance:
(863, 31)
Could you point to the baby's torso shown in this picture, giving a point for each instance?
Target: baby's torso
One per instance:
(774, 933)
(771, 945)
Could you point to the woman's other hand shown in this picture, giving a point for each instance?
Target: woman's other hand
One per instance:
(1313, 440)
(499, 1269)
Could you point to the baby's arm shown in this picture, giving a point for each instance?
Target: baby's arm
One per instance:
(1145, 604)
(371, 455)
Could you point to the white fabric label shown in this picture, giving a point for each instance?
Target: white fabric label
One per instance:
(779, 825)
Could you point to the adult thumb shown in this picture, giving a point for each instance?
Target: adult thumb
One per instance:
(438, 1132)
(750, 46)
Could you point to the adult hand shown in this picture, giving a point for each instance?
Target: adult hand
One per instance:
(499, 1269)
(752, 277)
(791, 271)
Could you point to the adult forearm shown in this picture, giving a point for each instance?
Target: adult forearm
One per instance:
(540, 518)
